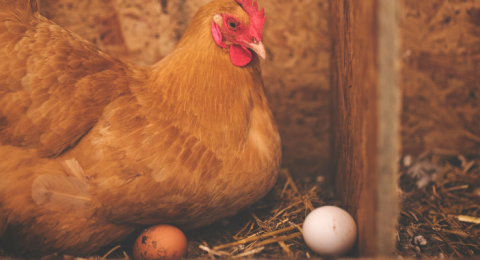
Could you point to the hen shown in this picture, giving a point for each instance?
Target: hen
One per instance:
(92, 147)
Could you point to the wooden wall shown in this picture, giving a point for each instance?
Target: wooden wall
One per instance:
(366, 117)
(440, 75)
(296, 72)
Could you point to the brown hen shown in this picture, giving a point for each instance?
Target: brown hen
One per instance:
(92, 147)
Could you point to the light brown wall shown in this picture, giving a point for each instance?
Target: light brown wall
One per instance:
(441, 75)
(296, 72)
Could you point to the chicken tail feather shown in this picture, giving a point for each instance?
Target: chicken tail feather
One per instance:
(61, 193)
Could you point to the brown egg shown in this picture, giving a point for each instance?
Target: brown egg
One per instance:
(160, 242)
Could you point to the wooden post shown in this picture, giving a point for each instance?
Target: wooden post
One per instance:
(366, 105)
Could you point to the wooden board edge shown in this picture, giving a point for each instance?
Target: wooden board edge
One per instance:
(389, 108)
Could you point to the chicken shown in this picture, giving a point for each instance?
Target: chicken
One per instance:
(91, 148)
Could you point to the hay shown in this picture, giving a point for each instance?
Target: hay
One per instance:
(271, 228)
(440, 209)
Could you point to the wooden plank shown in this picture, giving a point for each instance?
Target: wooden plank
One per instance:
(366, 117)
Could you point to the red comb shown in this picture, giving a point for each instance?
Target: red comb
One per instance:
(257, 18)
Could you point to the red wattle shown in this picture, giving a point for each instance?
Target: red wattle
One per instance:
(239, 55)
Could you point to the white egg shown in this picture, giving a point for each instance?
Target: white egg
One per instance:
(329, 231)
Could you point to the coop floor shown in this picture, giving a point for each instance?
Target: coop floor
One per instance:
(440, 205)
(439, 216)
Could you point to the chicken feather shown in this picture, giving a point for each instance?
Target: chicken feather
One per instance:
(61, 193)
(92, 147)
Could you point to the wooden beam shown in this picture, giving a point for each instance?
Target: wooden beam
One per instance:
(366, 105)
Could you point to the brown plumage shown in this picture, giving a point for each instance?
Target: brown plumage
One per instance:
(91, 147)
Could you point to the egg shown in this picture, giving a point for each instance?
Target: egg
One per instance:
(329, 231)
(160, 242)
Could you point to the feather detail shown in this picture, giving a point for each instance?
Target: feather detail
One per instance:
(74, 169)
(61, 193)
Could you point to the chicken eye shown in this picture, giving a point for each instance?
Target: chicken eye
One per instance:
(232, 25)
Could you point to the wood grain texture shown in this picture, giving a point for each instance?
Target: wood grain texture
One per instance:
(364, 101)
(296, 72)
(440, 79)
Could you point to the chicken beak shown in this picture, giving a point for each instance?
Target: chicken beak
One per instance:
(257, 48)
